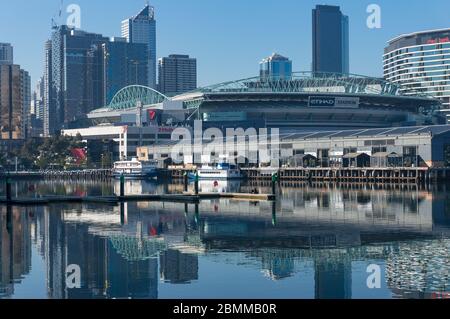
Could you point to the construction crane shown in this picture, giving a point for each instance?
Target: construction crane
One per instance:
(57, 21)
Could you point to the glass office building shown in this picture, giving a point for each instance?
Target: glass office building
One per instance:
(6, 53)
(77, 74)
(275, 67)
(420, 63)
(330, 40)
(142, 29)
(124, 64)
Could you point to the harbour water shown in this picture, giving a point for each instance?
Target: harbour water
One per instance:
(316, 241)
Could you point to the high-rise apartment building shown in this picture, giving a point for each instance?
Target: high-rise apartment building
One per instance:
(6, 53)
(15, 95)
(49, 119)
(142, 29)
(330, 40)
(177, 74)
(420, 63)
(275, 67)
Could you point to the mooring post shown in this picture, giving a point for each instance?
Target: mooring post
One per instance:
(274, 183)
(122, 185)
(8, 188)
(196, 183)
(185, 179)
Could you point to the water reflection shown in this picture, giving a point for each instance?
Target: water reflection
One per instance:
(315, 241)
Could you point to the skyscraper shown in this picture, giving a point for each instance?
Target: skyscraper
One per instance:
(36, 120)
(49, 119)
(76, 76)
(37, 101)
(330, 40)
(177, 74)
(6, 53)
(418, 62)
(124, 64)
(142, 29)
(275, 67)
(15, 96)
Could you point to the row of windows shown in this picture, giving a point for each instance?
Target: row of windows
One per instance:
(440, 46)
(428, 57)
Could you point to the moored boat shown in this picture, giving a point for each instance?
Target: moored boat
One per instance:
(135, 169)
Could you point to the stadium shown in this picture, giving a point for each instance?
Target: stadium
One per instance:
(305, 101)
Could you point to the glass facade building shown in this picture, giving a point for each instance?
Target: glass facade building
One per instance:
(142, 29)
(275, 67)
(330, 40)
(420, 64)
(77, 75)
(6, 53)
(124, 64)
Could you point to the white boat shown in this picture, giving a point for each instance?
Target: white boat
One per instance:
(135, 169)
(221, 171)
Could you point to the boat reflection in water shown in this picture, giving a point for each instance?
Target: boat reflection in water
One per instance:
(314, 243)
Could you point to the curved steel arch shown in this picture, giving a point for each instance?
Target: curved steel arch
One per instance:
(127, 97)
(302, 82)
(136, 249)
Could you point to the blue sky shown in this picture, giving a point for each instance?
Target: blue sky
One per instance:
(228, 37)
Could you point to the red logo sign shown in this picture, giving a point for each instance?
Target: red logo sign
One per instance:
(441, 40)
(151, 115)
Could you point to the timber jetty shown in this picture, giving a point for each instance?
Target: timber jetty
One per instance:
(62, 175)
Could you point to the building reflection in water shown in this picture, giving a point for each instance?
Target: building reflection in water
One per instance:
(127, 251)
(15, 248)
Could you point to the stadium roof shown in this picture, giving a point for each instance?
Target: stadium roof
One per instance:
(376, 132)
(307, 82)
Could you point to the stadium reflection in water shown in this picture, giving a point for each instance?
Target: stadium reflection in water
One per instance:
(317, 242)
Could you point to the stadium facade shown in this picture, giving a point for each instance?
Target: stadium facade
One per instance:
(304, 102)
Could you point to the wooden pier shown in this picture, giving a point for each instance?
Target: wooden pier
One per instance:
(354, 175)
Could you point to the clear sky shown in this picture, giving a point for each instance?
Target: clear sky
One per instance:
(228, 37)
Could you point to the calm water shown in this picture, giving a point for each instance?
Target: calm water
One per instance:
(315, 242)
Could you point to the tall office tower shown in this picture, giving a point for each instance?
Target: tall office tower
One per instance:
(15, 96)
(177, 74)
(275, 67)
(330, 40)
(37, 100)
(49, 119)
(142, 29)
(36, 123)
(6, 53)
(124, 64)
(77, 75)
(419, 63)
